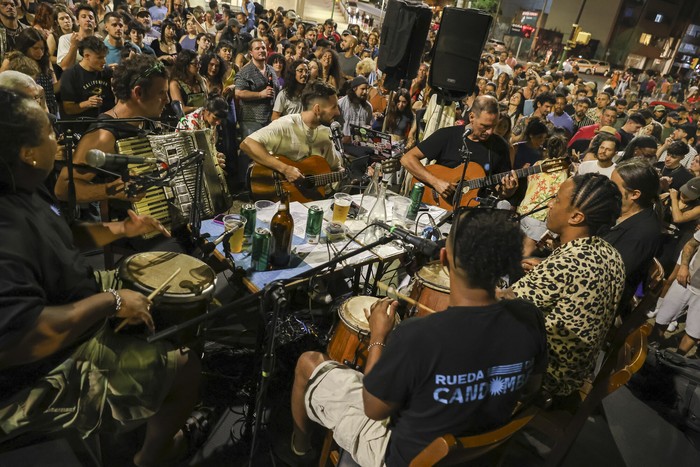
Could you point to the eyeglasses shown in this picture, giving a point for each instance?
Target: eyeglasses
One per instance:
(157, 67)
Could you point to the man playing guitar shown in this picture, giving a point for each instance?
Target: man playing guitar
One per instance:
(298, 136)
(487, 149)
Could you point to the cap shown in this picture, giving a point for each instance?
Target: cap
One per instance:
(346, 33)
(659, 108)
(673, 114)
(291, 15)
(358, 81)
(691, 189)
(143, 12)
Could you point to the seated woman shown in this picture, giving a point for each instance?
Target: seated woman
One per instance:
(61, 364)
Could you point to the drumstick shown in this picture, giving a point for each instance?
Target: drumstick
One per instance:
(153, 295)
(405, 298)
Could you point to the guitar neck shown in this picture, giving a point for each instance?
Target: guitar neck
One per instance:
(492, 180)
(325, 179)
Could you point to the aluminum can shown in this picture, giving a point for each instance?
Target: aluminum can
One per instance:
(416, 197)
(313, 224)
(260, 254)
(249, 212)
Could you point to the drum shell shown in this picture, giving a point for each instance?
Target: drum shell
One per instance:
(350, 339)
(428, 291)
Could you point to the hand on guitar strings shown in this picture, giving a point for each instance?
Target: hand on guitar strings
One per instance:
(292, 174)
(509, 184)
(445, 188)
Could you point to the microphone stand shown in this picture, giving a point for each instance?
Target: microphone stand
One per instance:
(466, 159)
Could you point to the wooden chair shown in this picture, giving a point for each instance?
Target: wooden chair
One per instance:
(447, 449)
(451, 450)
(618, 367)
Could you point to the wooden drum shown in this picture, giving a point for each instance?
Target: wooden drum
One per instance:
(351, 335)
(185, 297)
(431, 287)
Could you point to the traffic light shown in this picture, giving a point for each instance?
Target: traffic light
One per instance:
(527, 31)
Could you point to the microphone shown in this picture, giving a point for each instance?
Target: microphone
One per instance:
(422, 245)
(468, 130)
(209, 248)
(100, 159)
(337, 137)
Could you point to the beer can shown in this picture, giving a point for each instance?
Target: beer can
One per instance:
(249, 212)
(260, 254)
(416, 197)
(313, 224)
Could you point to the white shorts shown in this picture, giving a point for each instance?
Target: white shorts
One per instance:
(676, 299)
(333, 399)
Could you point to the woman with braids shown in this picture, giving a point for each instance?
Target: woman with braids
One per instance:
(579, 286)
(289, 99)
(58, 350)
(186, 85)
(437, 381)
(637, 234)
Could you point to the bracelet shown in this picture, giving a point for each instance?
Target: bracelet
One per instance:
(373, 344)
(117, 299)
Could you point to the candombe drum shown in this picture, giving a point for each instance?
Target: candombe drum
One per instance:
(430, 287)
(185, 297)
(351, 335)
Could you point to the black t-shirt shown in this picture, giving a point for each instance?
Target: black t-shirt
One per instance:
(679, 176)
(444, 145)
(638, 240)
(458, 371)
(78, 85)
(39, 267)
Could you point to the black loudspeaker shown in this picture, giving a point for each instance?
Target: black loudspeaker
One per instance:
(457, 51)
(404, 31)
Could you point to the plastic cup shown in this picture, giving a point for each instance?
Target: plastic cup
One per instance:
(400, 209)
(235, 223)
(341, 207)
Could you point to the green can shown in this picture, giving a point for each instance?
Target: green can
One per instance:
(313, 224)
(248, 211)
(416, 197)
(260, 254)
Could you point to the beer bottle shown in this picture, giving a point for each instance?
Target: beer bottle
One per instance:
(282, 228)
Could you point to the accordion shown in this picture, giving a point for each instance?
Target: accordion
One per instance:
(172, 205)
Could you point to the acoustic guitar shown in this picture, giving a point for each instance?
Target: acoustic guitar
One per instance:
(476, 178)
(266, 183)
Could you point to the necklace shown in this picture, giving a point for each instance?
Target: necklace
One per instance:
(310, 135)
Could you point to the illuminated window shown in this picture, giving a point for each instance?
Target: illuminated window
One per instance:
(645, 39)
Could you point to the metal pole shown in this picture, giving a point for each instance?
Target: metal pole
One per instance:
(517, 54)
(537, 27)
(568, 46)
(332, 8)
(381, 13)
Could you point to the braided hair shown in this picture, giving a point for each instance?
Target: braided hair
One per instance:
(598, 199)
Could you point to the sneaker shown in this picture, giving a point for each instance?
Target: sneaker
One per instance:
(652, 313)
(672, 326)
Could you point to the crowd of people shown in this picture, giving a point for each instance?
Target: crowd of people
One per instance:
(267, 83)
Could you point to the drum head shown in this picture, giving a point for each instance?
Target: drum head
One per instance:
(435, 275)
(147, 271)
(352, 312)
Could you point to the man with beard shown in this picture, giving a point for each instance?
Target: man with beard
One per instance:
(580, 116)
(297, 136)
(354, 108)
(256, 89)
(10, 27)
(487, 149)
(114, 27)
(348, 60)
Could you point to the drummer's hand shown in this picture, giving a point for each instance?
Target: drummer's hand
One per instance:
(135, 309)
(135, 225)
(221, 160)
(382, 318)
